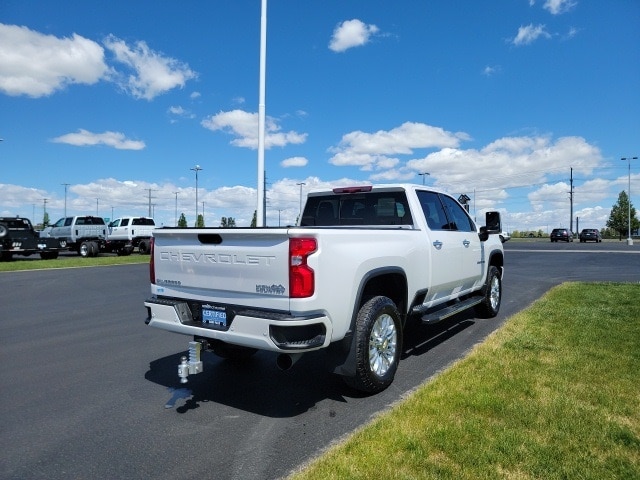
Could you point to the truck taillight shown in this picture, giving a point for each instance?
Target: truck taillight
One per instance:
(152, 265)
(301, 275)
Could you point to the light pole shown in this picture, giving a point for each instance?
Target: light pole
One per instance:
(628, 159)
(300, 208)
(176, 194)
(65, 197)
(423, 175)
(196, 169)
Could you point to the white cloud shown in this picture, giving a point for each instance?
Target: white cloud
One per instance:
(244, 126)
(509, 162)
(38, 65)
(178, 111)
(529, 34)
(491, 70)
(153, 74)
(556, 7)
(351, 33)
(294, 162)
(373, 150)
(116, 140)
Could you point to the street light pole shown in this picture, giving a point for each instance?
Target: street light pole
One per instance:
(423, 175)
(176, 194)
(300, 208)
(196, 169)
(628, 159)
(65, 197)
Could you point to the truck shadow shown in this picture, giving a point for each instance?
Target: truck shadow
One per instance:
(256, 385)
(419, 338)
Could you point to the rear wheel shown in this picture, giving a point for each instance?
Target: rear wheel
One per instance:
(492, 295)
(3, 230)
(84, 250)
(378, 345)
(143, 247)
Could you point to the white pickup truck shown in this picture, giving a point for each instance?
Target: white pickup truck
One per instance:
(362, 263)
(126, 233)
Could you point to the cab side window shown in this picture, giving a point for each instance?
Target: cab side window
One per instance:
(457, 215)
(433, 211)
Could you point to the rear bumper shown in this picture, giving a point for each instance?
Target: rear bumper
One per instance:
(264, 330)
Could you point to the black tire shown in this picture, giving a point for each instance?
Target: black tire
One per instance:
(143, 247)
(378, 345)
(3, 230)
(6, 256)
(85, 249)
(492, 294)
(232, 352)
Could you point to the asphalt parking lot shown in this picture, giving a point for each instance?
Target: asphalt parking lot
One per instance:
(90, 392)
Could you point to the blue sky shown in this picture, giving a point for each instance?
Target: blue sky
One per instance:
(498, 100)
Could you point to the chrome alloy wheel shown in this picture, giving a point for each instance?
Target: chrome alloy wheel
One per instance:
(494, 292)
(383, 342)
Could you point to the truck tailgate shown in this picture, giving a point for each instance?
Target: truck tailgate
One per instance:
(227, 266)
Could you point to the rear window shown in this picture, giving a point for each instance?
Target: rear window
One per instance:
(143, 221)
(378, 208)
(16, 223)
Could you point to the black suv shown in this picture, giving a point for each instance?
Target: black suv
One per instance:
(590, 234)
(563, 234)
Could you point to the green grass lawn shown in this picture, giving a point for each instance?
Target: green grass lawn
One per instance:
(553, 394)
(69, 261)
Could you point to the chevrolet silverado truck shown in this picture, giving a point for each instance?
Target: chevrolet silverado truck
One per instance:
(84, 234)
(18, 237)
(362, 263)
(127, 233)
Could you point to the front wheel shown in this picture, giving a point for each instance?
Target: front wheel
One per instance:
(378, 344)
(492, 294)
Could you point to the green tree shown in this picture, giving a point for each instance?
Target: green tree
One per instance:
(619, 216)
(200, 221)
(228, 222)
(182, 221)
(45, 219)
(254, 220)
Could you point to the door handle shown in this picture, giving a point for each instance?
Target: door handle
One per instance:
(437, 244)
(466, 243)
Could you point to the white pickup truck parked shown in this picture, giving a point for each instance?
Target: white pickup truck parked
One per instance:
(84, 234)
(127, 233)
(361, 264)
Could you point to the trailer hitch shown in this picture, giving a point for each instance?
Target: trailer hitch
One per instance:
(193, 365)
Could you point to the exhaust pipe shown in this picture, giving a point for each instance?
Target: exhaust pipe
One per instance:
(286, 360)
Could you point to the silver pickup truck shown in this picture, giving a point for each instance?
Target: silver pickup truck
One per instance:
(362, 263)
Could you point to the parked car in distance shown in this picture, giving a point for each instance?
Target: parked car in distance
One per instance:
(504, 236)
(563, 234)
(590, 234)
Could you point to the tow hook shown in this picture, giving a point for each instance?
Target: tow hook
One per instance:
(193, 365)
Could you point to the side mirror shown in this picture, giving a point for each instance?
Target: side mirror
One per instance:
(493, 223)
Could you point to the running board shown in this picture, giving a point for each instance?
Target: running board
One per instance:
(444, 313)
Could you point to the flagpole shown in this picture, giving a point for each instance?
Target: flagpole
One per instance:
(260, 221)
